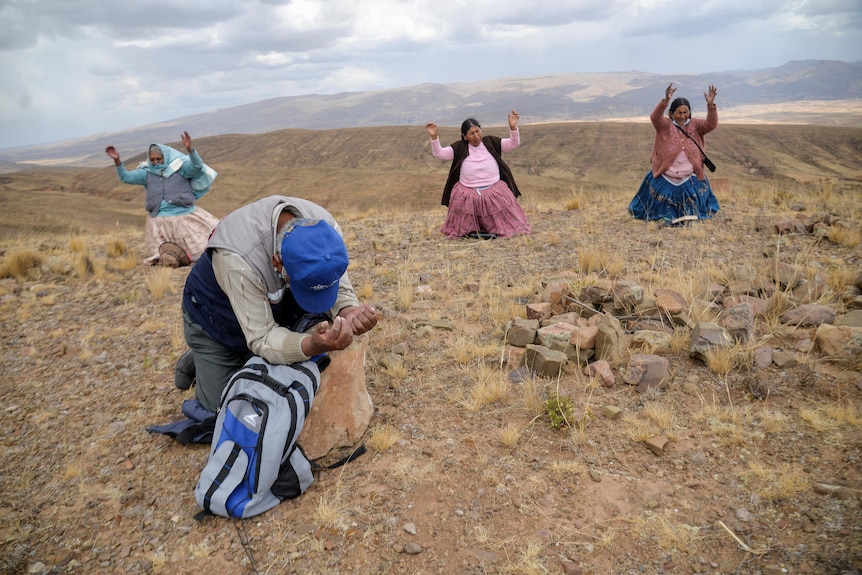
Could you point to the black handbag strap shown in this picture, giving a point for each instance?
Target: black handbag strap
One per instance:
(690, 138)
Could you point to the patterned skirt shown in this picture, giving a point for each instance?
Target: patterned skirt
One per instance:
(658, 199)
(190, 231)
(494, 210)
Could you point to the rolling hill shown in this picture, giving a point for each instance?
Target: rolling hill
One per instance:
(805, 92)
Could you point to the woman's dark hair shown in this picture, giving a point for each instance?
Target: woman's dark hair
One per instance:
(467, 124)
(679, 102)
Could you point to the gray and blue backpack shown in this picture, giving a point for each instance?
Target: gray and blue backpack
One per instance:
(254, 462)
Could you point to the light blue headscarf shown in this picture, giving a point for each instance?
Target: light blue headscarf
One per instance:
(201, 178)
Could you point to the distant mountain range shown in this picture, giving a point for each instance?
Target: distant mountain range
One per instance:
(540, 99)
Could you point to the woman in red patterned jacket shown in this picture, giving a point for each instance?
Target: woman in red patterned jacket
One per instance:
(676, 186)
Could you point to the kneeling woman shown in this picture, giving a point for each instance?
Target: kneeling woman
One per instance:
(480, 191)
(677, 185)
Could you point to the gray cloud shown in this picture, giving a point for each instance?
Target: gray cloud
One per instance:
(78, 67)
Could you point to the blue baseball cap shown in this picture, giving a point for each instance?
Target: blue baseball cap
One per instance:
(314, 258)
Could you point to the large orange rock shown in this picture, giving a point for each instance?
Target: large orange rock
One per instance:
(342, 408)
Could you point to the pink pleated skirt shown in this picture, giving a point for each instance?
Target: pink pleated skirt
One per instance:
(494, 210)
(190, 231)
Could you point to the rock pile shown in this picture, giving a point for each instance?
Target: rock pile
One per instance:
(614, 324)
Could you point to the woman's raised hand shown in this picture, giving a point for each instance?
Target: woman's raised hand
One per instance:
(668, 92)
(513, 120)
(431, 128)
(710, 95)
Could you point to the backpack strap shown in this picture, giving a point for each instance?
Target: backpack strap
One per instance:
(355, 454)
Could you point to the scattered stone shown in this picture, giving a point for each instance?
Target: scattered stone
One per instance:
(444, 323)
(784, 226)
(839, 342)
(707, 335)
(410, 528)
(784, 359)
(557, 332)
(850, 319)
(785, 275)
(611, 411)
(544, 361)
(520, 375)
(603, 370)
(627, 295)
(647, 372)
(655, 342)
(609, 340)
(521, 332)
(763, 356)
(539, 310)
(738, 320)
(670, 301)
(595, 476)
(570, 568)
(424, 292)
(656, 444)
(837, 491)
(412, 548)
(809, 315)
(585, 337)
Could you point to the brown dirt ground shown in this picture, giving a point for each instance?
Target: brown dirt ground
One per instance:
(87, 365)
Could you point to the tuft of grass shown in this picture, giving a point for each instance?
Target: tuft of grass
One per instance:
(774, 421)
(662, 415)
(21, 264)
(365, 291)
(466, 349)
(77, 244)
(489, 387)
(158, 281)
(724, 359)
(509, 435)
(83, 265)
(845, 236)
(382, 438)
(395, 368)
(534, 400)
(406, 289)
(776, 483)
(117, 247)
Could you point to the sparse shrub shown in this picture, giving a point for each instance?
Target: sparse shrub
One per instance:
(845, 236)
(83, 265)
(573, 204)
(117, 247)
(20, 264)
(560, 410)
(159, 282)
(382, 438)
(77, 244)
(509, 435)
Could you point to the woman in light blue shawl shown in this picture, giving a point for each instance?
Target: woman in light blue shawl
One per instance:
(177, 229)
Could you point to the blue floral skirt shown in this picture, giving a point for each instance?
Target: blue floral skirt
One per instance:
(658, 199)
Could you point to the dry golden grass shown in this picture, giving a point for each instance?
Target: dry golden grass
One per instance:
(159, 281)
(381, 438)
(774, 483)
(482, 467)
(489, 386)
(509, 435)
(21, 264)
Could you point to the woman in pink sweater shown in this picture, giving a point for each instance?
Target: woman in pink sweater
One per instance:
(676, 186)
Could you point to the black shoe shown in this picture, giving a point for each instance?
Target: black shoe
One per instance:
(481, 236)
(184, 374)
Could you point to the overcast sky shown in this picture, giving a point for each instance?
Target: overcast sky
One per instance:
(73, 68)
